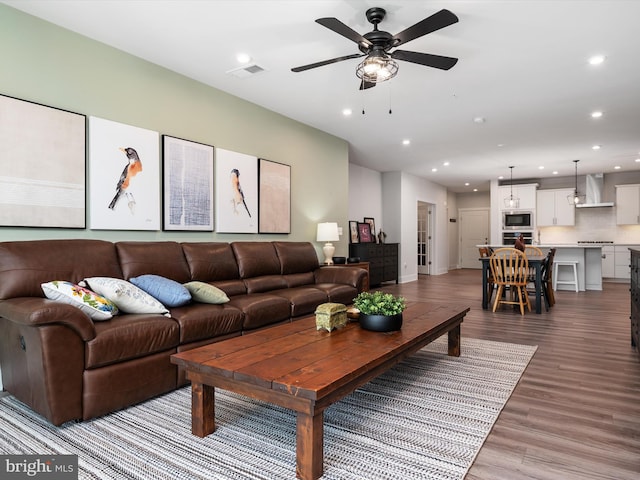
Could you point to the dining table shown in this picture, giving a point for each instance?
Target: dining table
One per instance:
(535, 261)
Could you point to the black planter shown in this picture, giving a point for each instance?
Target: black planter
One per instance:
(380, 323)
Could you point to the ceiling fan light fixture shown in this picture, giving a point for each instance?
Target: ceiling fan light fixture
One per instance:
(377, 68)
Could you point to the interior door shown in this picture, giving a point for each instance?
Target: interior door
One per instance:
(474, 230)
(424, 238)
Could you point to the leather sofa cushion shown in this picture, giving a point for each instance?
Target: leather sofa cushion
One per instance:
(211, 261)
(299, 279)
(25, 265)
(202, 321)
(256, 259)
(159, 258)
(265, 283)
(338, 293)
(231, 287)
(303, 300)
(261, 309)
(130, 336)
(296, 257)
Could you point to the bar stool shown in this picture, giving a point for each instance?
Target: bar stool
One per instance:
(565, 263)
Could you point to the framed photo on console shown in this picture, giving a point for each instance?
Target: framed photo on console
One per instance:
(353, 232)
(372, 224)
(364, 233)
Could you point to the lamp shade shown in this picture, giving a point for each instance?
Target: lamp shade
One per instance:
(327, 232)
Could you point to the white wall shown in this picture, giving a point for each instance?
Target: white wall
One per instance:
(401, 194)
(365, 198)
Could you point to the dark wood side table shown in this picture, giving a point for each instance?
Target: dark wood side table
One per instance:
(365, 265)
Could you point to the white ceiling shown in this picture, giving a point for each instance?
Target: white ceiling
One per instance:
(523, 66)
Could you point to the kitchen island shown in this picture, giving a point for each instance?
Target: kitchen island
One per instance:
(588, 256)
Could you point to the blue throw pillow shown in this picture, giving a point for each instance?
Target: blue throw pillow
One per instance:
(168, 292)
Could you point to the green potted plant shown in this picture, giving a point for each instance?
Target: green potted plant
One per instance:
(379, 311)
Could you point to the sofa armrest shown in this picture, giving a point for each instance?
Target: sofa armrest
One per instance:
(353, 276)
(35, 311)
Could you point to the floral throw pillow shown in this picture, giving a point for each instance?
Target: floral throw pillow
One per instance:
(126, 295)
(94, 305)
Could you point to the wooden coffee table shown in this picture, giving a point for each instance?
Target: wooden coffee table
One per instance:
(303, 369)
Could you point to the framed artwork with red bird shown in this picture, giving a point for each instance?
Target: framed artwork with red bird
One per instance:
(236, 192)
(124, 174)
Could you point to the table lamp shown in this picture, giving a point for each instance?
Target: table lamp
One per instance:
(328, 232)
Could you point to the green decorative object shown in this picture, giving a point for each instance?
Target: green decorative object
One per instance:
(330, 316)
(379, 311)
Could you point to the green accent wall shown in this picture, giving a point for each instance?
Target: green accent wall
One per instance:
(46, 64)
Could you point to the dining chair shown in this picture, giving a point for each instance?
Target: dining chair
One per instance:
(547, 275)
(533, 250)
(491, 284)
(509, 268)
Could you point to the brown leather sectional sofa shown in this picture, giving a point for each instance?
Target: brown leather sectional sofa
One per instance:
(67, 367)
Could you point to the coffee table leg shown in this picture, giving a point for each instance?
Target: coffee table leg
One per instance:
(203, 420)
(454, 342)
(309, 438)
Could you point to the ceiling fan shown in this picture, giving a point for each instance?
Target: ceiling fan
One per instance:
(380, 64)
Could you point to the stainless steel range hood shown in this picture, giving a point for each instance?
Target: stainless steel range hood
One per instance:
(595, 184)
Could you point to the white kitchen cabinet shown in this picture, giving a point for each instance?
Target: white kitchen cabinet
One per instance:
(628, 204)
(623, 260)
(526, 194)
(553, 208)
(608, 262)
(615, 261)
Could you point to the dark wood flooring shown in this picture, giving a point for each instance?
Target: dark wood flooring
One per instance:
(575, 415)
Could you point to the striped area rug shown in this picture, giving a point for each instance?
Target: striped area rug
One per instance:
(427, 418)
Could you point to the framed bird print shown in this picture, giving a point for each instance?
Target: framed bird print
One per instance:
(187, 177)
(236, 192)
(124, 176)
(42, 181)
(274, 196)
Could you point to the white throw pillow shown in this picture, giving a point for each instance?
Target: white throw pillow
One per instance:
(97, 307)
(126, 295)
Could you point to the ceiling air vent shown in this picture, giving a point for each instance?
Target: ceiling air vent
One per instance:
(246, 70)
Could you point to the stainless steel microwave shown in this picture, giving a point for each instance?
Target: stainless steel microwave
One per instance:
(517, 220)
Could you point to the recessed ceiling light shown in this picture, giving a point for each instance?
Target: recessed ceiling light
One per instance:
(617, 167)
(596, 114)
(555, 172)
(596, 59)
(243, 58)
(541, 167)
(479, 119)
(446, 164)
(501, 145)
(466, 184)
(346, 112)
(637, 159)
(475, 189)
(434, 169)
(406, 141)
(501, 177)
(596, 147)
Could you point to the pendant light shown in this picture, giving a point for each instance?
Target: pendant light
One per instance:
(511, 201)
(575, 198)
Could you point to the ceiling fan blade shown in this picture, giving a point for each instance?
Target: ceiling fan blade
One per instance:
(364, 85)
(342, 29)
(326, 62)
(427, 59)
(438, 20)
